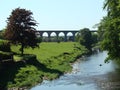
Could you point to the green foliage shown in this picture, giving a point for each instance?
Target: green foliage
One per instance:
(102, 26)
(85, 38)
(94, 39)
(111, 41)
(20, 29)
(112, 7)
(5, 55)
(27, 76)
(4, 46)
(111, 27)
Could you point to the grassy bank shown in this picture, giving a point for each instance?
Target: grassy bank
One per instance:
(53, 60)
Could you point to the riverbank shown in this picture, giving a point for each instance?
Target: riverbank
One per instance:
(53, 60)
(86, 75)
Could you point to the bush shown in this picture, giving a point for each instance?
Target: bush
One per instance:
(5, 55)
(4, 46)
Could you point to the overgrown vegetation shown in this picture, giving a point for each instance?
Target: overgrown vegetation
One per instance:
(110, 29)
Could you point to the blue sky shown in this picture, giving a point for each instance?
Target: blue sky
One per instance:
(57, 14)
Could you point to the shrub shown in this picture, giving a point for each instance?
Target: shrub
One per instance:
(4, 46)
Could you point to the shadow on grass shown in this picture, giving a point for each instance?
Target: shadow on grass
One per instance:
(9, 69)
(42, 67)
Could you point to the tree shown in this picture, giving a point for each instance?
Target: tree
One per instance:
(20, 29)
(94, 38)
(102, 28)
(112, 7)
(111, 26)
(85, 38)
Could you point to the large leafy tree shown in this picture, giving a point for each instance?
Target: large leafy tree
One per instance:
(111, 27)
(85, 38)
(20, 28)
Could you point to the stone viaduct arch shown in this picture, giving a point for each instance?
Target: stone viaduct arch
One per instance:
(57, 32)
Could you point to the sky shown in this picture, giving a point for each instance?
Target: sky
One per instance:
(57, 14)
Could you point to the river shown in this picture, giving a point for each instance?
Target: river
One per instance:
(89, 73)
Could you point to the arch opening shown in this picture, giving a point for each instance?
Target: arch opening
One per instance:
(45, 37)
(53, 37)
(61, 36)
(70, 36)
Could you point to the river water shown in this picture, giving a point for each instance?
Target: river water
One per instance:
(89, 73)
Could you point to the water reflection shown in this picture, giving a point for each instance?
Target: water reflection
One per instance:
(89, 73)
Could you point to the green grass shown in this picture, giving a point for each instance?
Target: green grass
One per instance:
(53, 60)
(47, 50)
